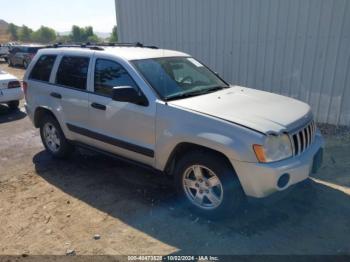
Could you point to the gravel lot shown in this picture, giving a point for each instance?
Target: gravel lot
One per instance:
(49, 206)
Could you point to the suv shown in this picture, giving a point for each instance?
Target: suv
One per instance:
(22, 54)
(166, 110)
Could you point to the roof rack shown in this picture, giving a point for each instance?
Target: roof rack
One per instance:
(137, 44)
(99, 46)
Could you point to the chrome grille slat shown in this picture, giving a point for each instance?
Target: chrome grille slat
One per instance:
(314, 125)
(303, 138)
(302, 134)
(293, 145)
(299, 143)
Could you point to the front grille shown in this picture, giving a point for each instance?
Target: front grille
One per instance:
(303, 138)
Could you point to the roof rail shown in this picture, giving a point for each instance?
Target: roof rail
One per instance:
(99, 46)
(60, 45)
(136, 44)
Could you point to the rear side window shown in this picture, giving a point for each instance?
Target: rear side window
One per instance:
(109, 74)
(42, 69)
(73, 71)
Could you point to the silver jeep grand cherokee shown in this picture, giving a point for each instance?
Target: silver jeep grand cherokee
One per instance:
(166, 110)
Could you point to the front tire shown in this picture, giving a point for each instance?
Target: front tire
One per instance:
(53, 138)
(13, 105)
(208, 184)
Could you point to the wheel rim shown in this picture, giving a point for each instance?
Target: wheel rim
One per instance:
(203, 187)
(51, 137)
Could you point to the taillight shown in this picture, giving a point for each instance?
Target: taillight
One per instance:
(13, 84)
(25, 87)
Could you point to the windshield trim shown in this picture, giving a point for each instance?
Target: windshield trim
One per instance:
(164, 99)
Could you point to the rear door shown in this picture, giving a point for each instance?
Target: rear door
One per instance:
(70, 89)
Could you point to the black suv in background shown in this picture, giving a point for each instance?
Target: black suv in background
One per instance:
(22, 54)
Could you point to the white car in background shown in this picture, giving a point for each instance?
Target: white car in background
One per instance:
(10, 90)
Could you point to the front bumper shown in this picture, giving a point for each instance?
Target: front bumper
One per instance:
(13, 94)
(262, 179)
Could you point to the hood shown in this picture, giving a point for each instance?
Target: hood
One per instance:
(262, 111)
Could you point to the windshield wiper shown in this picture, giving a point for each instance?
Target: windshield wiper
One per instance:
(196, 93)
(182, 95)
(214, 89)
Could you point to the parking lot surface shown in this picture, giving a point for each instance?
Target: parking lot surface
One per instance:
(50, 206)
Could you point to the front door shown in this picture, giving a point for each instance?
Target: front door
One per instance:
(122, 128)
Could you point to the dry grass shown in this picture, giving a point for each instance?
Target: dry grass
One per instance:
(4, 36)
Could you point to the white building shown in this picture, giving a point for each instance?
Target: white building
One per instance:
(299, 48)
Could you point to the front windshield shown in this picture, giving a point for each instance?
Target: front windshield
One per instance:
(178, 77)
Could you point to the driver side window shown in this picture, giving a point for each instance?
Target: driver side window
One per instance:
(109, 74)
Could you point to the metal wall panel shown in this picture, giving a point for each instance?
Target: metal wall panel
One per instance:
(299, 48)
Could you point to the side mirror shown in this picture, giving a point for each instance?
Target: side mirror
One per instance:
(129, 94)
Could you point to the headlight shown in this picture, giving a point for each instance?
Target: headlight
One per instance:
(275, 148)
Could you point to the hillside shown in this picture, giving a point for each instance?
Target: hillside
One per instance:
(4, 36)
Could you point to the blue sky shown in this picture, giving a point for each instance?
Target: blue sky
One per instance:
(60, 14)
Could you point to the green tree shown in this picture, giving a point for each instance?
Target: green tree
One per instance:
(63, 39)
(114, 35)
(13, 31)
(83, 35)
(44, 35)
(25, 34)
(76, 34)
(93, 39)
(88, 31)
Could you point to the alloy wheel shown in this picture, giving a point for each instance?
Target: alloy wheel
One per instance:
(203, 187)
(51, 137)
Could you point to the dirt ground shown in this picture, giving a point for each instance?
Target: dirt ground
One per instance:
(49, 206)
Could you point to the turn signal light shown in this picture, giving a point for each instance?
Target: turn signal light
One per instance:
(260, 153)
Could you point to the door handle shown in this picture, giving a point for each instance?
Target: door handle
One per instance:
(99, 106)
(56, 95)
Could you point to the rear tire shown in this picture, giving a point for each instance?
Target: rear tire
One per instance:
(199, 194)
(53, 138)
(13, 105)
